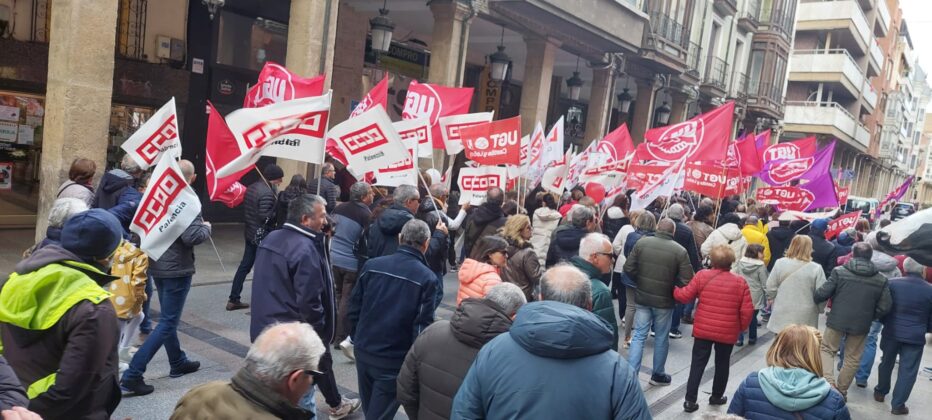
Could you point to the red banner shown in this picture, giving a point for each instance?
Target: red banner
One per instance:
(640, 175)
(277, 84)
(712, 181)
(617, 144)
(788, 198)
(840, 224)
(494, 143)
(704, 137)
(842, 194)
(435, 101)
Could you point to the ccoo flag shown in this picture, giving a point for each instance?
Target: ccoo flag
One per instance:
(167, 208)
(158, 135)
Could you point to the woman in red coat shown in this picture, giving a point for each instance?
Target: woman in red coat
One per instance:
(723, 312)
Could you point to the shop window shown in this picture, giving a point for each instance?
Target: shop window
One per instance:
(21, 123)
(131, 28)
(124, 121)
(247, 42)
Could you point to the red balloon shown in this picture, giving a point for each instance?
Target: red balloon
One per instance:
(595, 191)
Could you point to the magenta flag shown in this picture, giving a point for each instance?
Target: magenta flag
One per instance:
(823, 192)
(807, 168)
(896, 194)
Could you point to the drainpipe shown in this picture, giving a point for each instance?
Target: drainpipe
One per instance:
(464, 27)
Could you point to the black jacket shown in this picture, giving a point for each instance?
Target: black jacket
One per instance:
(823, 253)
(859, 294)
(178, 259)
(440, 357)
(683, 235)
(383, 232)
(483, 221)
(329, 191)
(259, 205)
(564, 244)
(911, 316)
(779, 239)
(439, 247)
(11, 391)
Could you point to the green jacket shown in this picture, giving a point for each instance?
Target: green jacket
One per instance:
(656, 264)
(601, 296)
(859, 294)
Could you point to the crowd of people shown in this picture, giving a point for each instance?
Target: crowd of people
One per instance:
(534, 332)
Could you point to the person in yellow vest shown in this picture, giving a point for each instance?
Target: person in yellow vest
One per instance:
(130, 265)
(755, 235)
(58, 328)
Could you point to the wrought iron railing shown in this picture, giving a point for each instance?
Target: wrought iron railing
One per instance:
(667, 28)
(715, 72)
(692, 57)
(131, 28)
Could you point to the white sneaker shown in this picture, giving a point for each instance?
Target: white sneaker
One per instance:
(347, 347)
(347, 406)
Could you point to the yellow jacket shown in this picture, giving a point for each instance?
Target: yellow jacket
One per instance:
(129, 292)
(754, 235)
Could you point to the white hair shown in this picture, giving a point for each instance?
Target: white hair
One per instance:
(414, 233)
(129, 165)
(508, 296)
(592, 243)
(282, 349)
(405, 192)
(63, 209)
(187, 168)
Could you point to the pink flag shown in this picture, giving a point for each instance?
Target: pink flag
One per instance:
(278, 84)
(704, 137)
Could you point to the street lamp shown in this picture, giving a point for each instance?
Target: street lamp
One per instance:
(624, 101)
(575, 83)
(500, 61)
(213, 6)
(663, 114)
(382, 28)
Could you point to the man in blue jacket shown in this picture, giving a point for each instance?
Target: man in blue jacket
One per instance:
(293, 282)
(904, 330)
(555, 362)
(393, 301)
(383, 234)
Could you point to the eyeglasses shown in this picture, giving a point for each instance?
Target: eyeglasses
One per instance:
(315, 375)
(610, 255)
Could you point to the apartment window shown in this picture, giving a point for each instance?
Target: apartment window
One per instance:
(247, 42)
(766, 9)
(757, 62)
(777, 88)
(131, 28)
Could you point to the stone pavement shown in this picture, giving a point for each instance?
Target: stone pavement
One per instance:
(220, 340)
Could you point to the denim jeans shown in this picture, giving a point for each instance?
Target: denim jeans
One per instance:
(689, 308)
(172, 294)
(644, 317)
(245, 266)
(752, 329)
(677, 314)
(867, 356)
(439, 298)
(910, 356)
(146, 326)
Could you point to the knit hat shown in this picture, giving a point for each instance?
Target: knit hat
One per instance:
(820, 225)
(273, 172)
(676, 212)
(92, 235)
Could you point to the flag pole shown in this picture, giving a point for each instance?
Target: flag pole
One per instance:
(429, 195)
(263, 177)
(323, 152)
(222, 267)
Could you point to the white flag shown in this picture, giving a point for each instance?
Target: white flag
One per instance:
(553, 144)
(450, 129)
(159, 134)
(419, 128)
(402, 172)
(664, 187)
(515, 171)
(168, 207)
(554, 178)
(294, 129)
(474, 182)
(369, 141)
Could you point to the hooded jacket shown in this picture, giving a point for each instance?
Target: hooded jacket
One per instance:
(60, 334)
(244, 397)
(657, 263)
(885, 264)
(564, 244)
(754, 235)
(755, 274)
(110, 188)
(545, 221)
(601, 296)
(779, 239)
(476, 278)
(727, 234)
(724, 309)
(440, 357)
(523, 269)
(383, 233)
(859, 294)
(555, 362)
(483, 221)
(790, 394)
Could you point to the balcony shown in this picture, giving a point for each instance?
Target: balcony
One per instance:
(870, 96)
(739, 87)
(827, 66)
(748, 20)
(827, 118)
(714, 82)
(876, 58)
(883, 18)
(692, 60)
(845, 16)
(665, 44)
(725, 7)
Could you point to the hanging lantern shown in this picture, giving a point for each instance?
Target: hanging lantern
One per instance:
(624, 101)
(213, 6)
(663, 114)
(500, 61)
(382, 28)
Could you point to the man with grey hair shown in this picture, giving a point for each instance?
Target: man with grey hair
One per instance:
(329, 189)
(393, 301)
(172, 274)
(656, 264)
(557, 337)
(281, 366)
(596, 259)
(440, 357)
(565, 242)
(383, 234)
(351, 218)
(904, 331)
(293, 282)
(62, 210)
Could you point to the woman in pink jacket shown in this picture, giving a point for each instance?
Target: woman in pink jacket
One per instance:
(480, 271)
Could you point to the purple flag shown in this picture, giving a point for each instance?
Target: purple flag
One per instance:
(779, 172)
(895, 195)
(823, 192)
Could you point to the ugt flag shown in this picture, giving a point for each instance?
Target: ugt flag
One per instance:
(704, 137)
(157, 136)
(167, 208)
(277, 84)
(617, 144)
(840, 224)
(451, 128)
(896, 194)
(787, 198)
(369, 141)
(494, 143)
(433, 102)
(221, 150)
(810, 168)
(292, 129)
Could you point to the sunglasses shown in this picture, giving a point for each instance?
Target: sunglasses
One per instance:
(317, 376)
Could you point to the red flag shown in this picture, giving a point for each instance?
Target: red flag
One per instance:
(788, 198)
(277, 84)
(435, 101)
(378, 95)
(704, 137)
(494, 143)
(712, 180)
(789, 150)
(840, 224)
(762, 141)
(748, 157)
(842, 194)
(640, 175)
(221, 149)
(617, 144)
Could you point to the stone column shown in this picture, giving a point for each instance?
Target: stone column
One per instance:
(312, 28)
(535, 90)
(78, 94)
(643, 109)
(599, 99)
(448, 41)
(678, 107)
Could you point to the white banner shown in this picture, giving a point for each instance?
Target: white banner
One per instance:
(167, 208)
(515, 171)
(665, 187)
(420, 129)
(474, 182)
(294, 129)
(554, 178)
(450, 129)
(553, 144)
(159, 134)
(369, 141)
(402, 172)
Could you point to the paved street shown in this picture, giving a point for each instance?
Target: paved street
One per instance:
(220, 340)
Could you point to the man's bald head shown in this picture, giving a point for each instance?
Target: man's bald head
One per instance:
(666, 225)
(187, 170)
(567, 284)
(495, 195)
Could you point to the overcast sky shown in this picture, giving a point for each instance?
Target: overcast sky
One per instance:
(918, 15)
